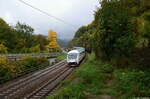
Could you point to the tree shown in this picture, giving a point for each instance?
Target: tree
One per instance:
(114, 32)
(20, 38)
(42, 41)
(7, 35)
(81, 31)
(35, 49)
(53, 45)
(3, 49)
(25, 34)
(83, 37)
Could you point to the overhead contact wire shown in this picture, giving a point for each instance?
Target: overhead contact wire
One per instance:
(56, 18)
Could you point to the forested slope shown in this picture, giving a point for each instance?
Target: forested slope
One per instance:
(120, 32)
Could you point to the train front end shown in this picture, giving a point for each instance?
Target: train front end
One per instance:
(73, 58)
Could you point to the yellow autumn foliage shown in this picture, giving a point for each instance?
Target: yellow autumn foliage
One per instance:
(3, 49)
(52, 36)
(53, 45)
(142, 30)
(10, 69)
(8, 65)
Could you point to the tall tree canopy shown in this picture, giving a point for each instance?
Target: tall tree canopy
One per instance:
(53, 45)
(6, 35)
(20, 38)
(120, 31)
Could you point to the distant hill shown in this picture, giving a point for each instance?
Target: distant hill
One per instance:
(63, 42)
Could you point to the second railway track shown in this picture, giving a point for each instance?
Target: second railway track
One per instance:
(36, 85)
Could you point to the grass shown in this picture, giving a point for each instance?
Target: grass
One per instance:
(86, 81)
(132, 83)
(97, 79)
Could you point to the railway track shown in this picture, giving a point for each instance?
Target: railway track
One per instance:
(38, 84)
(50, 85)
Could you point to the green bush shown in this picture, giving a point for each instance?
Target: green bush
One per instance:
(42, 61)
(29, 62)
(132, 83)
(10, 69)
(7, 69)
(3, 49)
(35, 49)
(70, 92)
(33, 62)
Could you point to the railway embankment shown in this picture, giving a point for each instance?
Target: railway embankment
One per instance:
(102, 80)
(37, 84)
(13, 69)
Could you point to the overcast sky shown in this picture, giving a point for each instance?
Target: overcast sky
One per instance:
(76, 12)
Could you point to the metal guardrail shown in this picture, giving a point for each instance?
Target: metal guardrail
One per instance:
(17, 56)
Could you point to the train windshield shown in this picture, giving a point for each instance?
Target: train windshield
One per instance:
(72, 55)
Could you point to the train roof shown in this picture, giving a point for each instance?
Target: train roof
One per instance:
(73, 51)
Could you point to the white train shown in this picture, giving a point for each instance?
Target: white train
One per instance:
(75, 56)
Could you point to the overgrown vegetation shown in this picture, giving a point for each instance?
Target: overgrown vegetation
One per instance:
(132, 83)
(95, 79)
(120, 32)
(61, 57)
(10, 69)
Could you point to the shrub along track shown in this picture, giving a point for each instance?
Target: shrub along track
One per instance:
(37, 85)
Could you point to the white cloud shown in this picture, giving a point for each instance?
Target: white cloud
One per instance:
(76, 12)
(9, 18)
